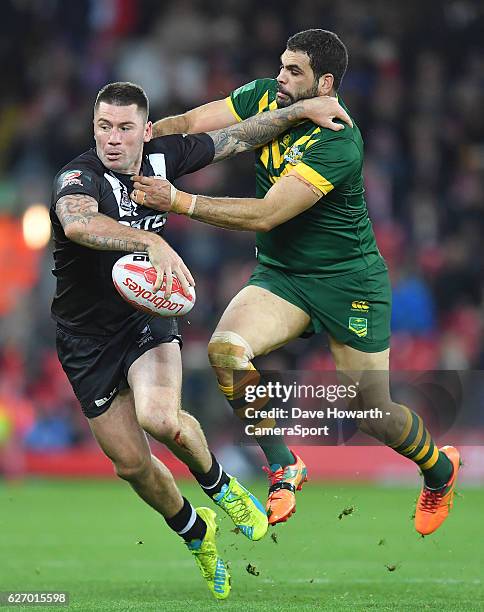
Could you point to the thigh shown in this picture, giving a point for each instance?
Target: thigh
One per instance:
(369, 370)
(355, 309)
(119, 434)
(97, 366)
(94, 369)
(155, 379)
(265, 320)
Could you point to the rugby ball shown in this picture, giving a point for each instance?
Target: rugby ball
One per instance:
(134, 277)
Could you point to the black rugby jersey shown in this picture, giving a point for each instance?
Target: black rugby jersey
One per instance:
(86, 300)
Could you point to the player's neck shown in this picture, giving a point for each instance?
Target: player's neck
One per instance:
(132, 169)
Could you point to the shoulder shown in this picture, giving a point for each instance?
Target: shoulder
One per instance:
(86, 164)
(83, 175)
(344, 143)
(256, 86)
(175, 144)
(177, 154)
(162, 144)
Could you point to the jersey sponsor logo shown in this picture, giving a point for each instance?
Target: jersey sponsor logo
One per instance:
(359, 326)
(293, 155)
(151, 223)
(71, 177)
(361, 305)
(103, 400)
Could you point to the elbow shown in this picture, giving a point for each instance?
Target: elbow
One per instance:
(71, 231)
(264, 224)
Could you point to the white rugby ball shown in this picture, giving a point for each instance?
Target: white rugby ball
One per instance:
(134, 277)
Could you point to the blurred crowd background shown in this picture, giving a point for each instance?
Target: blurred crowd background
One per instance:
(415, 86)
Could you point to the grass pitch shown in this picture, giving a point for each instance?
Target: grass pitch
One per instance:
(97, 541)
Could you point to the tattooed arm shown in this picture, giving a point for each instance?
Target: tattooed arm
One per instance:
(83, 223)
(264, 127)
(217, 115)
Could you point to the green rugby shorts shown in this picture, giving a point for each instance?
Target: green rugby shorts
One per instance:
(355, 308)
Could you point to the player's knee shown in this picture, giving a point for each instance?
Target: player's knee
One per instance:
(159, 416)
(160, 426)
(135, 468)
(229, 351)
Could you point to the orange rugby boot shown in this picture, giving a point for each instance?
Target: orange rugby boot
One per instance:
(434, 505)
(284, 482)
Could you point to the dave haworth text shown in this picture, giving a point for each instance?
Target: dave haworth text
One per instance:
(297, 421)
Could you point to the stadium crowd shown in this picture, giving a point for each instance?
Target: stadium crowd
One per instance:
(415, 87)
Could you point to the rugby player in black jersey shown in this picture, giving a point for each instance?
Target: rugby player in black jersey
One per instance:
(124, 365)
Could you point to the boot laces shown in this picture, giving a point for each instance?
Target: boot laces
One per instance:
(274, 477)
(430, 500)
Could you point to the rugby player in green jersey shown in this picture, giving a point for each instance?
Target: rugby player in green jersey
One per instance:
(318, 266)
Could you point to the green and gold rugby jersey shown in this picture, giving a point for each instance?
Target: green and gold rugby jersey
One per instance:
(335, 235)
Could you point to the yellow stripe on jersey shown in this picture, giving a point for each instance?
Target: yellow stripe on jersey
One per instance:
(276, 154)
(264, 155)
(313, 177)
(264, 102)
(230, 104)
(310, 143)
(306, 137)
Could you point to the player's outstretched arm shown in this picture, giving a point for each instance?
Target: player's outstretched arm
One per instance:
(212, 116)
(264, 127)
(290, 196)
(83, 223)
(231, 137)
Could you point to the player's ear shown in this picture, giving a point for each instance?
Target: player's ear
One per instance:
(325, 84)
(148, 135)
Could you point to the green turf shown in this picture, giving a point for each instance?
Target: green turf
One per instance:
(110, 552)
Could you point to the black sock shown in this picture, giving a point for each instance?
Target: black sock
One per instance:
(213, 480)
(187, 524)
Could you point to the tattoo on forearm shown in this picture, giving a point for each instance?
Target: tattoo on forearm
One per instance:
(83, 210)
(254, 132)
(77, 208)
(105, 243)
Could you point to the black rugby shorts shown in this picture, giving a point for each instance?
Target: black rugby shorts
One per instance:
(97, 367)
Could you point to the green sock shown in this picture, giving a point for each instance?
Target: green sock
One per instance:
(417, 444)
(276, 450)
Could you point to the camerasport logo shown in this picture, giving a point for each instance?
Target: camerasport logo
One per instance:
(71, 177)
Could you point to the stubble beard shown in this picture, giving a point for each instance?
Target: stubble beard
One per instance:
(312, 92)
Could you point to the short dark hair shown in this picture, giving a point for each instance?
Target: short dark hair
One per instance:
(123, 94)
(325, 50)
